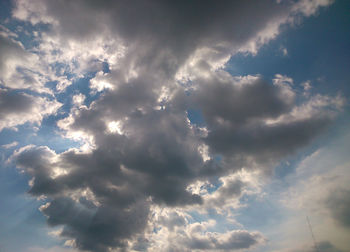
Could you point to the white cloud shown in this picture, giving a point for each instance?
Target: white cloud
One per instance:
(284, 51)
(78, 99)
(101, 81)
(10, 145)
(20, 68)
(310, 7)
(177, 232)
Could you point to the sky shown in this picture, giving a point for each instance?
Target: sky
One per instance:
(174, 126)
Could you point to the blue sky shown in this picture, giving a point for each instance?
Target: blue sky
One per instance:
(174, 126)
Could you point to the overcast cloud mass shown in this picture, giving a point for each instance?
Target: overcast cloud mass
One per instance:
(142, 126)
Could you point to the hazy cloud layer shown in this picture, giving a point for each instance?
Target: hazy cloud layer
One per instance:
(320, 190)
(319, 246)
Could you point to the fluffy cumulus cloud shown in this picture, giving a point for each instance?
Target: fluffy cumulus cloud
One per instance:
(249, 120)
(234, 240)
(17, 108)
(24, 68)
(144, 168)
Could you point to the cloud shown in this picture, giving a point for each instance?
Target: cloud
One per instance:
(284, 51)
(326, 246)
(320, 190)
(309, 8)
(52, 249)
(142, 152)
(224, 196)
(17, 108)
(102, 227)
(256, 121)
(235, 240)
(338, 203)
(187, 236)
(167, 37)
(20, 69)
(9, 145)
(321, 246)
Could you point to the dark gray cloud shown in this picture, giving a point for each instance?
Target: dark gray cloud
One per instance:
(253, 118)
(17, 107)
(156, 157)
(163, 22)
(10, 50)
(222, 98)
(265, 142)
(325, 246)
(162, 35)
(14, 102)
(95, 228)
(338, 202)
(93, 211)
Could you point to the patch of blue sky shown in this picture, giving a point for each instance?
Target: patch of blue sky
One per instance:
(47, 135)
(23, 30)
(5, 10)
(214, 186)
(62, 69)
(79, 86)
(312, 55)
(221, 223)
(315, 52)
(28, 225)
(337, 129)
(259, 212)
(270, 207)
(269, 215)
(197, 217)
(196, 117)
(105, 67)
(156, 229)
(19, 213)
(30, 92)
